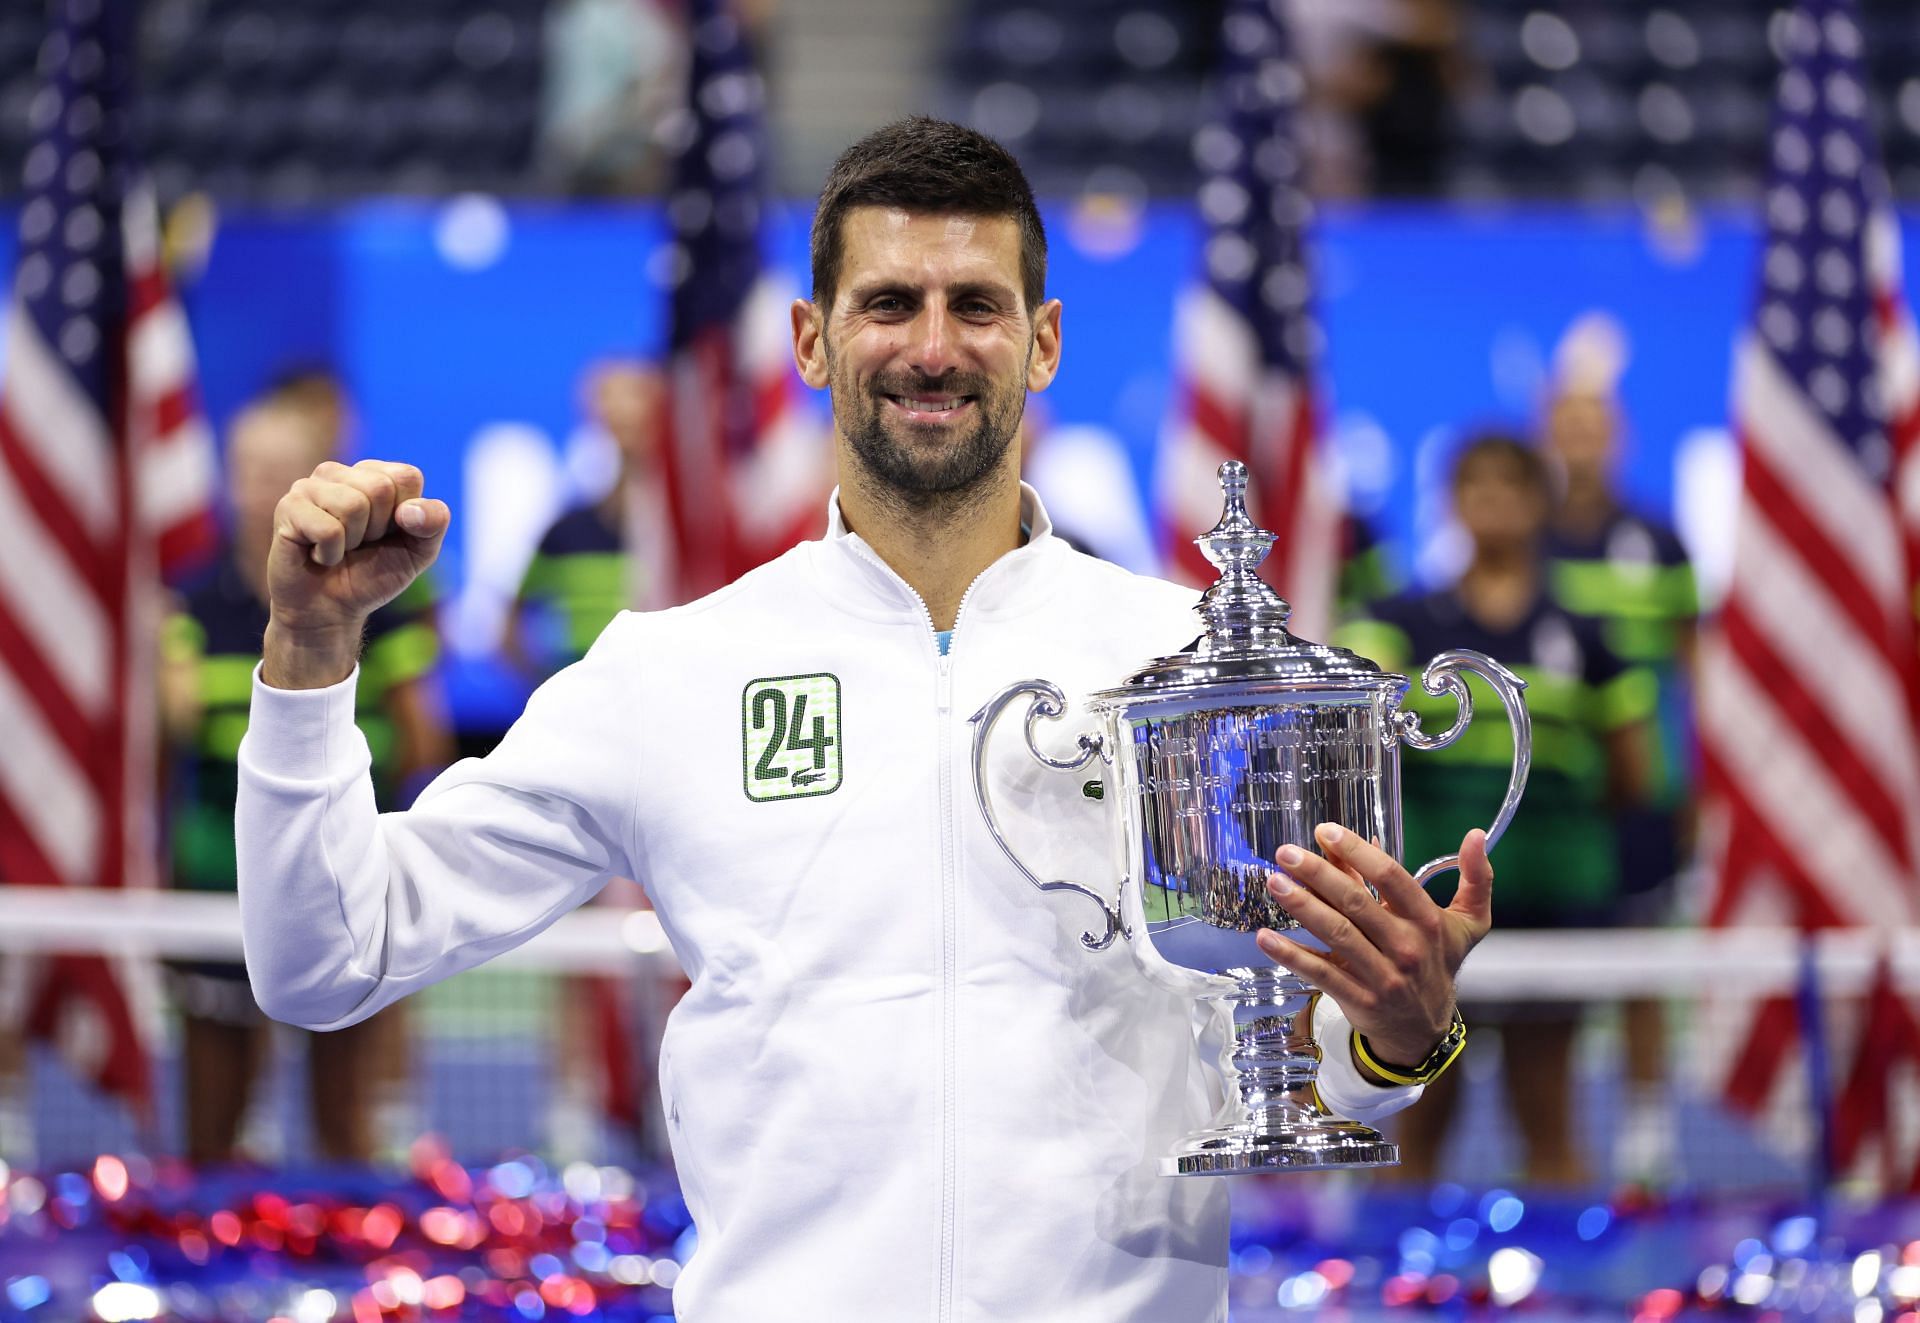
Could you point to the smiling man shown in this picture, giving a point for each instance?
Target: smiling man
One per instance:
(898, 1087)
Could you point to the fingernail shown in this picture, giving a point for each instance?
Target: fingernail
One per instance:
(1290, 856)
(1331, 833)
(1279, 883)
(412, 517)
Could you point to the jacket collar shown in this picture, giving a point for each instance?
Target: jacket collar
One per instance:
(852, 573)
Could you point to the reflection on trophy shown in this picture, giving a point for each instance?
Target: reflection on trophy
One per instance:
(1213, 759)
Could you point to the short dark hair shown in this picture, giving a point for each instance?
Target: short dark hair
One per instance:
(1501, 447)
(928, 166)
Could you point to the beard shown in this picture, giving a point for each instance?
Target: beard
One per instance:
(927, 466)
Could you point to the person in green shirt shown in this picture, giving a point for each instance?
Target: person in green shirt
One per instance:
(601, 557)
(210, 645)
(1557, 864)
(1628, 574)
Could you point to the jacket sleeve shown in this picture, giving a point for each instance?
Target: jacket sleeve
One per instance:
(1342, 1088)
(344, 910)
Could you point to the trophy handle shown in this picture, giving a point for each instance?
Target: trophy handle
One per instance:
(1046, 701)
(1443, 676)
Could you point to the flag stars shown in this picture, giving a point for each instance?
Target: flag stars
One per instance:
(83, 171)
(41, 162)
(79, 340)
(1872, 398)
(1876, 456)
(1839, 214)
(1845, 95)
(1829, 388)
(44, 109)
(1276, 159)
(1303, 338)
(1786, 209)
(1832, 333)
(36, 221)
(1785, 270)
(1281, 82)
(1284, 289)
(1843, 36)
(1790, 150)
(81, 285)
(1216, 149)
(732, 156)
(1246, 35)
(738, 215)
(1833, 272)
(690, 210)
(1796, 91)
(35, 274)
(83, 117)
(728, 94)
(83, 229)
(1780, 326)
(87, 62)
(1223, 201)
(1840, 154)
(1230, 258)
(1290, 208)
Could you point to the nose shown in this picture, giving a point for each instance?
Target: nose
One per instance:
(933, 350)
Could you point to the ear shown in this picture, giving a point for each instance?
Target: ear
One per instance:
(809, 343)
(1044, 362)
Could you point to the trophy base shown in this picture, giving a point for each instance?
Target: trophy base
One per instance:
(1329, 1144)
(1272, 1118)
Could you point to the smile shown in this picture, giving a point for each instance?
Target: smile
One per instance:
(933, 410)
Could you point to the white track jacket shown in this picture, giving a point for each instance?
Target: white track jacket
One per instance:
(899, 1088)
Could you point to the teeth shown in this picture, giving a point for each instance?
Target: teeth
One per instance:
(930, 406)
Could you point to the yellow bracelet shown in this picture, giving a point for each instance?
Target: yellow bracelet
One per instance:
(1444, 1054)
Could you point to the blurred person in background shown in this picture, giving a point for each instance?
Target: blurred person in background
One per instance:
(1590, 714)
(1628, 576)
(612, 77)
(1381, 76)
(599, 558)
(210, 645)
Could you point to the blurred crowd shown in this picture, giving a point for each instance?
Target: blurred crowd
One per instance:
(253, 101)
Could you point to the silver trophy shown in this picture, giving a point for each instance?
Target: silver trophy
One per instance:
(1214, 758)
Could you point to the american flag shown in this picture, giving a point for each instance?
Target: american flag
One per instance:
(1245, 337)
(105, 466)
(744, 467)
(1808, 711)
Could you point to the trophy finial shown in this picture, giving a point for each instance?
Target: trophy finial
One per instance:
(1240, 607)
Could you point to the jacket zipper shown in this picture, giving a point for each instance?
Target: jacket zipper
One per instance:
(949, 932)
(949, 968)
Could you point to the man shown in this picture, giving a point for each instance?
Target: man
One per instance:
(898, 1087)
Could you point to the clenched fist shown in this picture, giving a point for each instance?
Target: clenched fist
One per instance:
(346, 541)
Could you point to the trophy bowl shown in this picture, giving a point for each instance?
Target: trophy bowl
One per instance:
(1213, 759)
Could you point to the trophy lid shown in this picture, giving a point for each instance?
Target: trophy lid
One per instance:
(1246, 638)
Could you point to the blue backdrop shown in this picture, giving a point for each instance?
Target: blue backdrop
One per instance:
(449, 319)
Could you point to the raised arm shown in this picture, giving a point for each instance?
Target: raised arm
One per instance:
(345, 910)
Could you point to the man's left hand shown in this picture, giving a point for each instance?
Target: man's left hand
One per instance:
(1390, 963)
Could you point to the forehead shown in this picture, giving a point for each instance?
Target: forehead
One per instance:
(928, 249)
(273, 436)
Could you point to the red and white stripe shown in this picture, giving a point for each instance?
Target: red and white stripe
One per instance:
(1809, 694)
(1231, 405)
(82, 536)
(742, 489)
